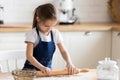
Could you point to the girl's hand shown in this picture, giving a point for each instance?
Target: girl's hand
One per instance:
(46, 70)
(71, 69)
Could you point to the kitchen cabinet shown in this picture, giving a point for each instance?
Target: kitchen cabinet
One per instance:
(85, 48)
(12, 40)
(11, 45)
(58, 62)
(116, 46)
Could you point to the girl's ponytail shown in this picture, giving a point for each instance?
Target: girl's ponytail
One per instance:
(34, 19)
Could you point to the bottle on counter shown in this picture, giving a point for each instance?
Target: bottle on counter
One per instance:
(107, 70)
(1, 14)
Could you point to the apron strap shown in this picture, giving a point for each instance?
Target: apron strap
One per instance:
(52, 36)
(38, 33)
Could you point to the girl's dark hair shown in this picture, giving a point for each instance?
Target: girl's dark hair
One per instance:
(44, 12)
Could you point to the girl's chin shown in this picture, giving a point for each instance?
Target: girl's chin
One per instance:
(45, 32)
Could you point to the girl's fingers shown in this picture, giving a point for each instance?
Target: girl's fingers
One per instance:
(46, 70)
(71, 70)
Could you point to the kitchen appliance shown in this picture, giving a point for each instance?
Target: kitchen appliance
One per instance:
(66, 12)
(1, 14)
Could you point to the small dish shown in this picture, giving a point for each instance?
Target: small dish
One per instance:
(24, 74)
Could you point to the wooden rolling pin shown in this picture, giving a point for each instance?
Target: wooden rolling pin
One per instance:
(59, 72)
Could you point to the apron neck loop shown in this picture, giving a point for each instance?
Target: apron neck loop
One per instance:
(39, 34)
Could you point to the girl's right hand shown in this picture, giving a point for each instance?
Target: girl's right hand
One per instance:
(46, 70)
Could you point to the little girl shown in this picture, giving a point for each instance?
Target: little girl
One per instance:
(41, 41)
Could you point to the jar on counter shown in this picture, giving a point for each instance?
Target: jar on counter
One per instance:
(1, 14)
(107, 70)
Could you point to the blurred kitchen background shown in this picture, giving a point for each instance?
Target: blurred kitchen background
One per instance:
(86, 10)
(94, 38)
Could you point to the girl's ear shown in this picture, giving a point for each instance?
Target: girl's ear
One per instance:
(37, 18)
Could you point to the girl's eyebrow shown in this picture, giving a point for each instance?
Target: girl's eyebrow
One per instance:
(49, 25)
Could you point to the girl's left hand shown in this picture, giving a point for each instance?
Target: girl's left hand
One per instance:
(71, 69)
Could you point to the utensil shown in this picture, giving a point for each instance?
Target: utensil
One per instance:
(59, 72)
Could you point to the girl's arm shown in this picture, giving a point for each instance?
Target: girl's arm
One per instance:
(32, 60)
(71, 68)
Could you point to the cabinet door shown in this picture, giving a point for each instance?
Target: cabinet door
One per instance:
(12, 45)
(116, 45)
(58, 62)
(87, 48)
(12, 41)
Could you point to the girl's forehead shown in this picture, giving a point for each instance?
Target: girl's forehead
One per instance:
(50, 22)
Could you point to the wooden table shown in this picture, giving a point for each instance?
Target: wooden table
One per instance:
(81, 76)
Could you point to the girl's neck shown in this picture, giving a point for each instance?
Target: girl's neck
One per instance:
(45, 33)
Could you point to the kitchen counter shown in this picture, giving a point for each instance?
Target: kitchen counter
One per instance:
(15, 27)
(85, 27)
(81, 76)
(23, 27)
(115, 27)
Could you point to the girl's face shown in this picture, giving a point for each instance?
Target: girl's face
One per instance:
(46, 26)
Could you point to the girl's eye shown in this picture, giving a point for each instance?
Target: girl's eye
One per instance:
(47, 26)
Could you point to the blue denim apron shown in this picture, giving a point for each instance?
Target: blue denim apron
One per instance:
(43, 52)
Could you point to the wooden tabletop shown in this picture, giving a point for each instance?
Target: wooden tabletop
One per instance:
(91, 75)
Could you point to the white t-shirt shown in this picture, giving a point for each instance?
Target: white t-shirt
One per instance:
(32, 36)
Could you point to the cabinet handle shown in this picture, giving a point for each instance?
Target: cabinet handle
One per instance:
(118, 34)
(88, 33)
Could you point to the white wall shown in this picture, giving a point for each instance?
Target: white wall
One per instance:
(86, 10)
(92, 10)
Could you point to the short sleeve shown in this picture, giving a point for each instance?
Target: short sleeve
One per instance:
(30, 37)
(57, 36)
